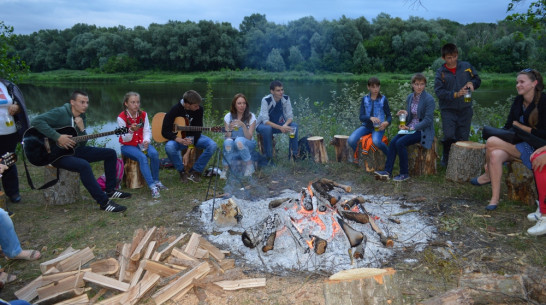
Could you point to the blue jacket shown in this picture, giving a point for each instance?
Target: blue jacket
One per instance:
(425, 112)
(380, 108)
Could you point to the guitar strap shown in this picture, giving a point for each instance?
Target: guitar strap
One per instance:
(29, 180)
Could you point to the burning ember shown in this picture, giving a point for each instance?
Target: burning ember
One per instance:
(323, 227)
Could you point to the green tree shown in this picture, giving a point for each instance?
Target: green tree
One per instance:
(361, 61)
(535, 15)
(11, 65)
(275, 62)
(295, 59)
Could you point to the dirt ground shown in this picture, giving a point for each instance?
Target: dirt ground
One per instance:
(477, 241)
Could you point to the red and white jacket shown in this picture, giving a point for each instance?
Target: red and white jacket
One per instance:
(134, 138)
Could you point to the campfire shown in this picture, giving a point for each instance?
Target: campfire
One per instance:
(322, 227)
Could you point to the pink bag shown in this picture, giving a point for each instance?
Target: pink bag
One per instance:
(119, 176)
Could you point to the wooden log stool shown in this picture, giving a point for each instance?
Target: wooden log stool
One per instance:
(342, 148)
(132, 177)
(363, 286)
(261, 147)
(189, 156)
(318, 150)
(466, 160)
(422, 161)
(66, 190)
(372, 159)
(520, 183)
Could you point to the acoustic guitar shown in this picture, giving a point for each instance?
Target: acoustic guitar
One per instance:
(41, 150)
(8, 159)
(180, 126)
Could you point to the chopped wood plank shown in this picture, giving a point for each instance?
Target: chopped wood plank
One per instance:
(140, 270)
(212, 249)
(81, 299)
(105, 281)
(160, 268)
(182, 262)
(61, 296)
(143, 244)
(181, 283)
(123, 261)
(99, 294)
(30, 291)
(50, 278)
(52, 262)
(135, 293)
(181, 294)
(137, 237)
(193, 244)
(201, 253)
(75, 261)
(167, 251)
(65, 284)
(178, 253)
(105, 266)
(227, 263)
(242, 284)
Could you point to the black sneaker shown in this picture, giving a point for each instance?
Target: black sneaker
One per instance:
(113, 207)
(183, 176)
(118, 195)
(195, 176)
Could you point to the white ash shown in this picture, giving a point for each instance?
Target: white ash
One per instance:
(414, 231)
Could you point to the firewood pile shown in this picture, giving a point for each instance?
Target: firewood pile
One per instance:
(153, 266)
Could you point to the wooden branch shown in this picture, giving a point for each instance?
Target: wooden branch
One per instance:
(385, 240)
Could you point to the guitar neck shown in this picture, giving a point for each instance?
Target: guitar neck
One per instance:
(92, 136)
(193, 128)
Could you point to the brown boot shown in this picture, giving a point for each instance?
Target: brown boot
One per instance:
(183, 176)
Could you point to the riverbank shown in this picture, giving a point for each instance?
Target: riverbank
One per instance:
(488, 79)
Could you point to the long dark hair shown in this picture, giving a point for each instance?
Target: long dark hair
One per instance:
(246, 115)
(534, 75)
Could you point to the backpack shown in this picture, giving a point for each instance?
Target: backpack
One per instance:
(304, 151)
(119, 176)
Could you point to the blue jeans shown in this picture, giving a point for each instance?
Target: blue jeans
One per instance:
(267, 136)
(79, 163)
(399, 145)
(149, 172)
(377, 137)
(173, 148)
(8, 238)
(239, 148)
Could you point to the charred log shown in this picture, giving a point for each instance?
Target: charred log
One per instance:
(319, 244)
(306, 199)
(269, 242)
(358, 217)
(261, 232)
(351, 203)
(346, 188)
(277, 202)
(360, 250)
(355, 238)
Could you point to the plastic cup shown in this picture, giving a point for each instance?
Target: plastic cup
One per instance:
(9, 121)
(191, 145)
(376, 126)
(142, 148)
(468, 97)
(292, 132)
(402, 118)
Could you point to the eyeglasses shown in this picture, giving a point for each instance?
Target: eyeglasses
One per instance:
(527, 70)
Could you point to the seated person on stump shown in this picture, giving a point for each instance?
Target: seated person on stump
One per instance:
(240, 125)
(189, 108)
(73, 114)
(419, 129)
(538, 159)
(374, 113)
(135, 144)
(276, 117)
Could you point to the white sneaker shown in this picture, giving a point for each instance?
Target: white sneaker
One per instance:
(535, 215)
(223, 174)
(155, 192)
(539, 228)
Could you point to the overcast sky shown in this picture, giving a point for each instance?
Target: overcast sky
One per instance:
(27, 16)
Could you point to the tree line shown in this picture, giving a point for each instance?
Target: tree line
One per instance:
(385, 44)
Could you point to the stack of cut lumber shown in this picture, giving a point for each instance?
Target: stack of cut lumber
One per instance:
(151, 267)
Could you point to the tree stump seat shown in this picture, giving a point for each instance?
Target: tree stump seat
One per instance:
(261, 147)
(520, 183)
(66, 190)
(466, 160)
(132, 177)
(342, 148)
(372, 159)
(422, 161)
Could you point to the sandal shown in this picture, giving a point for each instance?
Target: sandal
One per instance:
(28, 255)
(6, 278)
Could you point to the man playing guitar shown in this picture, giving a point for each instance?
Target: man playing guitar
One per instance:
(73, 114)
(191, 110)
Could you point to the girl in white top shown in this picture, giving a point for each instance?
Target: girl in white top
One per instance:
(240, 124)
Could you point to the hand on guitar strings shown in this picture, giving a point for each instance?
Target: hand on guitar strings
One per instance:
(66, 142)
